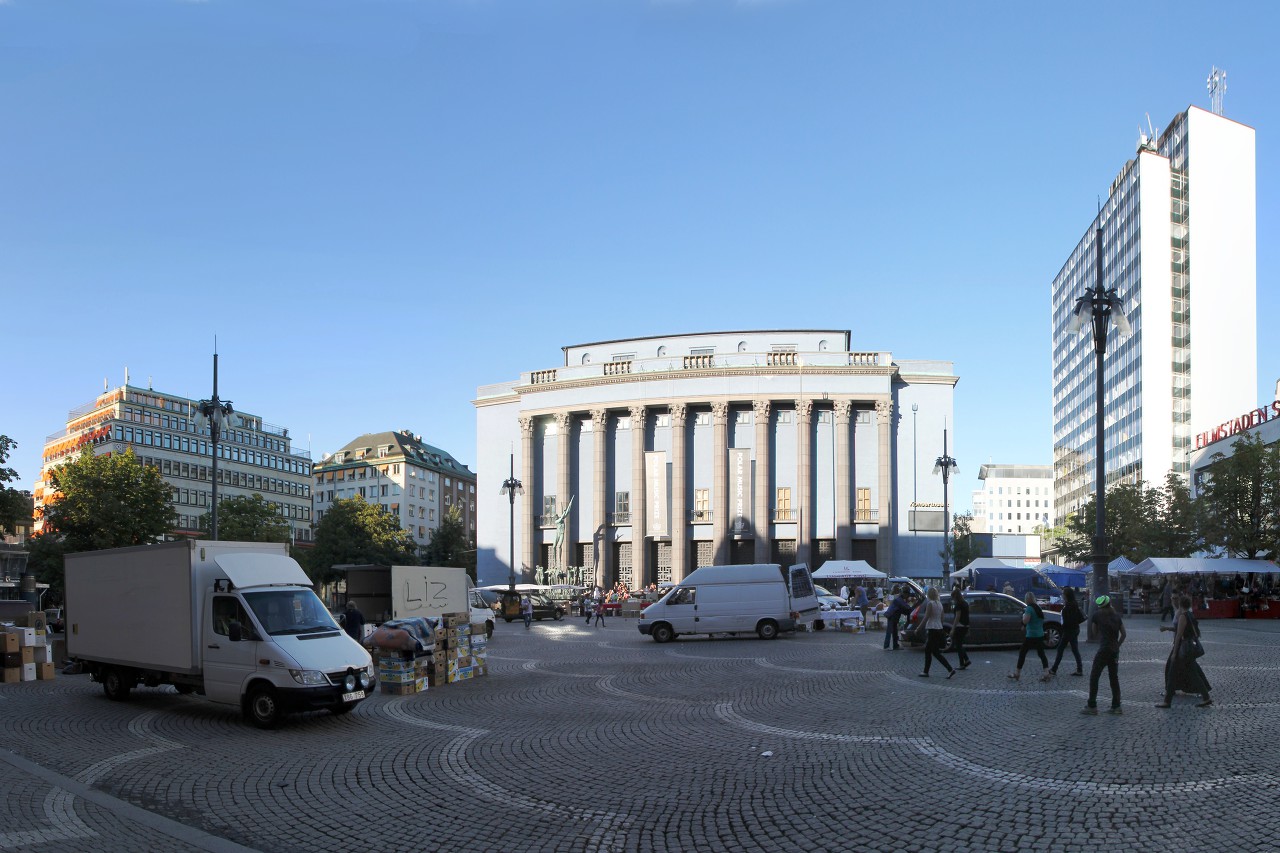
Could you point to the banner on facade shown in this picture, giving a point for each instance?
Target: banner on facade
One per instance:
(740, 490)
(655, 474)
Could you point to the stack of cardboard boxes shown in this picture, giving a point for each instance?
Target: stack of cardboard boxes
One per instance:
(458, 653)
(27, 654)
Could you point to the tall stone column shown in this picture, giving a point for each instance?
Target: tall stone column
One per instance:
(564, 421)
(720, 483)
(529, 526)
(679, 508)
(844, 485)
(804, 480)
(639, 500)
(600, 535)
(763, 521)
(884, 464)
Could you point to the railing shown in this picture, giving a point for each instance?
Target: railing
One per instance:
(542, 377)
(547, 520)
(782, 359)
(784, 515)
(619, 518)
(701, 516)
(617, 368)
(862, 515)
(699, 362)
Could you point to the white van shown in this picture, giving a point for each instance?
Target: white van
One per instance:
(764, 598)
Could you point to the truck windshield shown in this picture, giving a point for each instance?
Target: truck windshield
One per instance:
(290, 611)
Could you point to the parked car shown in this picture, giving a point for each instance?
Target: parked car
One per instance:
(829, 600)
(995, 619)
(54, 620)
(543, 607)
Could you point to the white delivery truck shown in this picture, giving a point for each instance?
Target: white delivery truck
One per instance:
(764, 598)
(236, 622)
(397, 592)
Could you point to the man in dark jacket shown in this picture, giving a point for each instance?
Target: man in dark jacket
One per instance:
(353, 622)
(959, 626)
(1111, 636)
(896, 610)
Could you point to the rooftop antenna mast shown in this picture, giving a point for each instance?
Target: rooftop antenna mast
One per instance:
(1217, 88)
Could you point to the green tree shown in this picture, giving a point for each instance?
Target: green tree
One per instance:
(1240, 499)
(449, 545)
(248, 519)
(1176, 528)
(100, 502)
(964, 550)
(14, 504)
(355, 532)
(1130, 516)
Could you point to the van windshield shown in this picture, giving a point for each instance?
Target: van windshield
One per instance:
(290, 611)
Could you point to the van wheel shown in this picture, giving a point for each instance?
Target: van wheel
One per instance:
(115, 685)
(767, 630)
(261, 707)
(1052, 636)
(662, 633)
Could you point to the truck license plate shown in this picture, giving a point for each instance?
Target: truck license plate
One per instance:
(353, 696)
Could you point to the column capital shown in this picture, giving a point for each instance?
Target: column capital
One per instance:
(844, 411)
(720, 411)
(526, 425)
(638, 415)
(804, 410)
(761, 408)
(562, 420)
(600, 417)
(678, 412)
(884, 409)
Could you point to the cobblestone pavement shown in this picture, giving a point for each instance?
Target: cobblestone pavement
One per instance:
(597, 739)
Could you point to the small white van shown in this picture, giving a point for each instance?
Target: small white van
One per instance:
(764, 598)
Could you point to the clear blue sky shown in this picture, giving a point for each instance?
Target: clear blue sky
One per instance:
(379, 206)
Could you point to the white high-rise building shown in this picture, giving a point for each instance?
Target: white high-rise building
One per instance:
(1179, 242)
(1013, 499)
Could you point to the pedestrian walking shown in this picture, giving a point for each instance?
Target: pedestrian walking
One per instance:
(844, 591)
(935, 635)
(860, 597)
(598, 612)
(526, 610)
(1072, 619)
(898, 608)
(1182, 670)
(1033, 637)
(353, 622)
(1111, 635)
(1166, 600)
(959, 626)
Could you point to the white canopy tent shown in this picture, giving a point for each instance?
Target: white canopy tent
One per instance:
(1202, 566)
(977, 566)
(848, 569)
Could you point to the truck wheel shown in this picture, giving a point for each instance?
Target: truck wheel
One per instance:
(262, 708)
(662, 633)
(115, 685)
(1052, 636)
(488, 629)
(767, 629)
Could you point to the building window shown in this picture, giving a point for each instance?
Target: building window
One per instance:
(784, 416)
(782, 504)
(863, 505)
(702, 504)
(702, 419)
(548, 504)
(622, 502)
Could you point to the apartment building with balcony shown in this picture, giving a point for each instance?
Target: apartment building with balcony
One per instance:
(719, 448)
(167, 432)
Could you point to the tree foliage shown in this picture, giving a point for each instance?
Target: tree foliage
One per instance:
(449, 545)
(109, 501)
(355, 532)
(1141, 521)
(1240, 499)
(14, 504)
(964, 550)
(248, 519)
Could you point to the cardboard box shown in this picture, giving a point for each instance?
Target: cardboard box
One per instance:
(45, 671)
(44, 654)
(422, 684)
(12, 674)
(36, 619)
(10, 641)
(455, 620)
(26, 636)
(480, 669)
(28, 672)
(28, 654)
(12, 659)
(399, 689)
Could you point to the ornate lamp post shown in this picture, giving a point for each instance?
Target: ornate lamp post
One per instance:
(512, 487)
(215, 411)
(944, 465)
(1104, 308)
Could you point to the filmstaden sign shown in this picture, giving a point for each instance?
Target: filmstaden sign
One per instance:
(1248, 420)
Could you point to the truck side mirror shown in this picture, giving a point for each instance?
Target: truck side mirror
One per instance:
(234, 633)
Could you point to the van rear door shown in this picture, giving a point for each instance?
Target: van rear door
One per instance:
(804, 598)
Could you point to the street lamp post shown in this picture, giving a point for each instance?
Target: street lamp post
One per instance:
(1104, 308)
(944, 465)
(512, 487)
(215, 411)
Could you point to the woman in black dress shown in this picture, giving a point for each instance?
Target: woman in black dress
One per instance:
(1182, 670)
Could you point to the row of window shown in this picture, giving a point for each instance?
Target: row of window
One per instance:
(172, 468)
(190, 425)
(202, 447)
